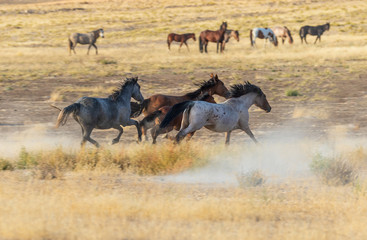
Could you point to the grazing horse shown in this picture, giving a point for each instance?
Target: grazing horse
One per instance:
(181, 38)
(318, 30)
(85, 38)
(283, 33)
(104, 113)
(213, 86)
(212, 36)
(263, 33)
(222, 117)
(153, 120)
(230, 33)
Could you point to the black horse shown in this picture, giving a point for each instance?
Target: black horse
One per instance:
(318, 30)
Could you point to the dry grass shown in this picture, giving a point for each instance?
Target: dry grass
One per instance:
(114, 193)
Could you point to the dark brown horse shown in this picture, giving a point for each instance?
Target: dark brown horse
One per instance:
(213, 86)
(212, 36)
(153, 120)
(283, 33)
(314, 31)
(85, 38)
(181, 38)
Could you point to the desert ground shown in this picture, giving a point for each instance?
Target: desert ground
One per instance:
(305, 180)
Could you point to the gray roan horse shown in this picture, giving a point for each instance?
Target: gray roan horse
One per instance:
(85, 38)
(104, 113)
(222, 117)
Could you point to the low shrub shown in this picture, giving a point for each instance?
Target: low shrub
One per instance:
(334, 170)
(251, 179)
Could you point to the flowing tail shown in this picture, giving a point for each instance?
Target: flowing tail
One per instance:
(252, 44)
(200, 44)
(137, 109)
(64, 114)
(175, 111)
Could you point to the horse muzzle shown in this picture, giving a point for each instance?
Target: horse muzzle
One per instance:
(268, 110)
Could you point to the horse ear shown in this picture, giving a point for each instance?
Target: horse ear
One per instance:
(211, 75)
(216, 77)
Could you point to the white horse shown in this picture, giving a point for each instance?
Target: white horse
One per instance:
(263, 33)
(223, 117)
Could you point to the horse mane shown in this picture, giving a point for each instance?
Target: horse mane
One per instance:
(239, 90)
(204, 85)
(117, 92)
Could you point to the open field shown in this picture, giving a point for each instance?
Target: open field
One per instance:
(49, 189)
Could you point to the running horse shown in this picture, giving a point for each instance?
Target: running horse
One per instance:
(230, 33)
(212, 36)
(104, 113)
(222, 117)
(85, 38)
(181, 38)
(263, 33)
(314, 31)
(150, 105)
(283, 33)
(153, 120)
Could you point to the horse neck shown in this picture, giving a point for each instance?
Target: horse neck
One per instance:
(96, 34)
(192, 95)
(125, 94)
(244, 102)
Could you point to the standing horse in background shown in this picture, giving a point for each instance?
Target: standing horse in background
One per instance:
(263, 33)
(150, 105)
(212, 36)
(181, 38)
(104, 113)
(230, 33)
(283, 33)
(318, 30)
(85, 38)
(222, 117)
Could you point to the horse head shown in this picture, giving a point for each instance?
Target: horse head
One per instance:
(327, 27)
(136, 94)
(260, 99)
(224, 26)
(101, 33)
(219, 87)
(193, 37)
(274, 39)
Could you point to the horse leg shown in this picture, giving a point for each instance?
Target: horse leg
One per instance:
(144, 130)
(117, 139)
(86, 137)
(180, 46)
(73, 47)
(94, 45)
(169, 45)
(247, 130)
(217, 46)
(133, 122)
(228, 136)
(188, 49)
(305, 40)
(89, 48)
(189, 136)
(206, 47)
(283, 40)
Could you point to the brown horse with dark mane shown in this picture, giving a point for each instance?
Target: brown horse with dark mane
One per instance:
(212, 36)
(213, 86)
(181, 38)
